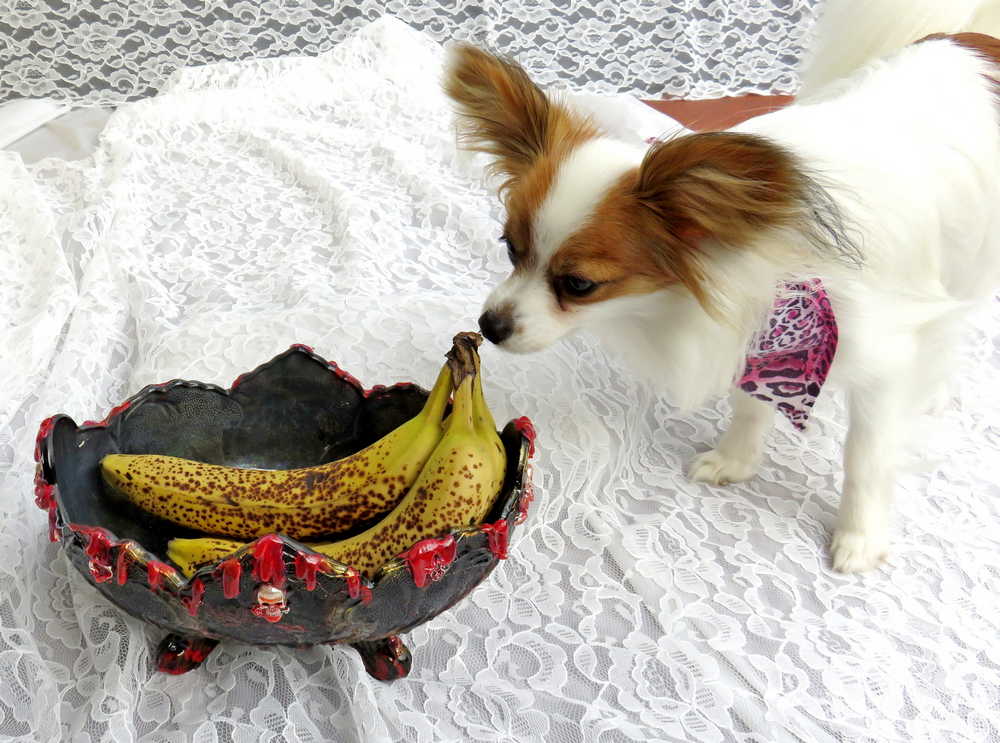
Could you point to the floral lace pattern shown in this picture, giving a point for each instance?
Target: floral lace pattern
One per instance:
(321, 200)
(96, 52)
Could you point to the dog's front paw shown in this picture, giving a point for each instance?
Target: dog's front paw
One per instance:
(716, 468)
(857, 552)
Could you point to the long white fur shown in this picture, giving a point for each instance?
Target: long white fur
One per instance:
(850, 33)
(909, 148)
(912, 146)
(579, 185)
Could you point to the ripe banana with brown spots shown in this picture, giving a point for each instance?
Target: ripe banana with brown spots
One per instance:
(190, 554)
(456, 487)
(486, 427)
(307, 502)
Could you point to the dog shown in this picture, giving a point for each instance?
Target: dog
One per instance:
(844, 236)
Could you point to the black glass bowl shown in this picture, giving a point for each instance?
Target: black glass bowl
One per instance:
(296, 410)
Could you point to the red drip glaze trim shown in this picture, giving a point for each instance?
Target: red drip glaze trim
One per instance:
(44, 429)
(243, 377)
(238, 381)
(43, 491)
(353, 578)
(121, 565)
(527, 429)
(388, 662)
(54, 530)
(269, 560)
(496, 538)
(527, 496)
(395, 658)
(429, 559)
(193, 601)
(98, 549)
(306, 567)
(98, 540)
(117, 410)
(178, 655)
(379, 389)
(336, 369)
(231, 572)
(347, 377)
(198, 650)
(155, 571)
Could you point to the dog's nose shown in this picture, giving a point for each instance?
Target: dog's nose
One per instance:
(496, 326)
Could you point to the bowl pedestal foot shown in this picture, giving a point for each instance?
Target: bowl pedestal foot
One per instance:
(179, 654)
(387, 659)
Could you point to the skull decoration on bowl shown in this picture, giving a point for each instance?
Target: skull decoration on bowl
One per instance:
(271, 604)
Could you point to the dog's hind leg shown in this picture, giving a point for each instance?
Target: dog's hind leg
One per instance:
(880, 412)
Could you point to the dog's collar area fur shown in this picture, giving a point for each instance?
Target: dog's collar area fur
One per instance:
(790, 358)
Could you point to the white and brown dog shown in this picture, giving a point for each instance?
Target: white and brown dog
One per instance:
(870, 205)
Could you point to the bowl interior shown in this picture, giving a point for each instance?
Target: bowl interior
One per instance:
(294, 411)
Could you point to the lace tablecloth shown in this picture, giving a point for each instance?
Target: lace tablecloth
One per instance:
(321, 201)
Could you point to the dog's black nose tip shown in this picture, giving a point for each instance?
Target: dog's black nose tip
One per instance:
(496, 326)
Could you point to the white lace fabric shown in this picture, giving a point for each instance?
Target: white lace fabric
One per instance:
(95, 52)
(321, 200)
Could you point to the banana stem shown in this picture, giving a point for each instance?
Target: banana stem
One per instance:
(461, 357)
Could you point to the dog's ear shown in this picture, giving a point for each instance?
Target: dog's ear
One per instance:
(721, 185)
(725, 189)
(504, 114)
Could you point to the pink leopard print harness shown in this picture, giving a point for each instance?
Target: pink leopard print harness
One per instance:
(789, 360)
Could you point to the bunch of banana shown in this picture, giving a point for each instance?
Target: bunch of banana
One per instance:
(312, 501)
(455, 488)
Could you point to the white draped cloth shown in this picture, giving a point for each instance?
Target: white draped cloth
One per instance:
(321, 201)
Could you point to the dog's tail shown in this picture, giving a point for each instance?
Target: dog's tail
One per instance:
(850, 33)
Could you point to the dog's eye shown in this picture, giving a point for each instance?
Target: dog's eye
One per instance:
(577, 286)
(511, 253)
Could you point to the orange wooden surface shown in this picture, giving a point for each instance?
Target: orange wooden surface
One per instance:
(720, 113)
